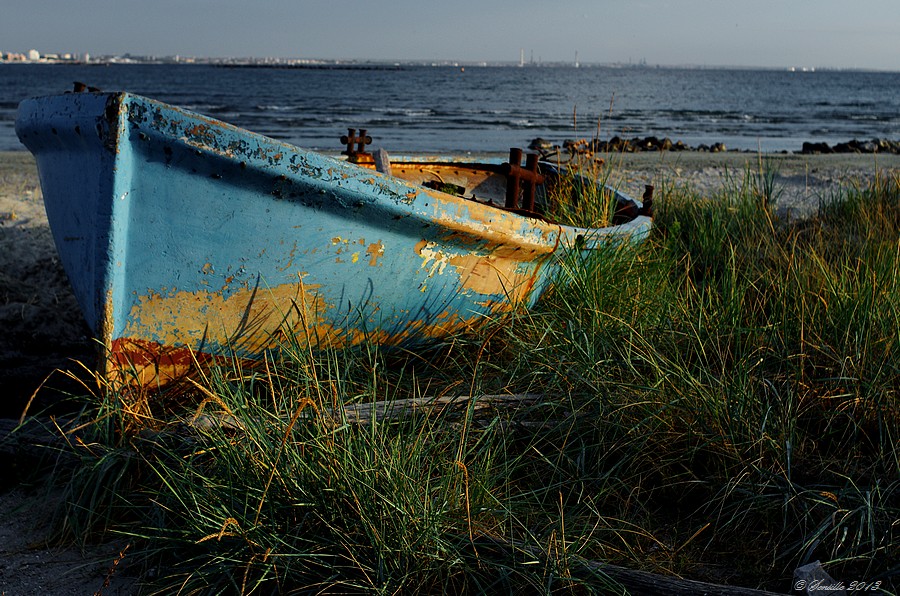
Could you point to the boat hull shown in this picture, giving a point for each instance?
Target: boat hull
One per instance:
(187, 239)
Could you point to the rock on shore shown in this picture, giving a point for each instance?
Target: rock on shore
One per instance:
(637, 144)
(854, 146)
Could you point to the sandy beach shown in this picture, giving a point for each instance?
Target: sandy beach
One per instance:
(43, 326)
(44, 330)
(801, 182)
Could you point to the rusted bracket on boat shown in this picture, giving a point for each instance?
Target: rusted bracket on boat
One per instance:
(627, 211)
(79, 87)
(517, 177)
(350, 139)
(647, 201)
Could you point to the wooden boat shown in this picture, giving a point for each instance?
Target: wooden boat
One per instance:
(186, 239)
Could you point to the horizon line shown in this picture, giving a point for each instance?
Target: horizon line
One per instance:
(262, 61)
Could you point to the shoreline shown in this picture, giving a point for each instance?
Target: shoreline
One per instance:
(800, 181)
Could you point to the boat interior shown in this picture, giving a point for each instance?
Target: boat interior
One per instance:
(521, 188)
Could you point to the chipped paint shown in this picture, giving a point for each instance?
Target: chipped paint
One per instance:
(432, 259)
(230, 241)
(245, 320)
(375, 251)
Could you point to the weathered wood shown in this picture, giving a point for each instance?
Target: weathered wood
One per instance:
(382, 162)
(34, 438)
(391, 409)
(632, 581)
(653, 584)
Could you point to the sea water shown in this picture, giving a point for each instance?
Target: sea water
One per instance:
(492, 108)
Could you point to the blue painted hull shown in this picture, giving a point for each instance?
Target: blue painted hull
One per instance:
(187, 239)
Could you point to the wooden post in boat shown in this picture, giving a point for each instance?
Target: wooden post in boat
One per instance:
(512, 178)
(516, 175)
(382, 161)
(531, 181)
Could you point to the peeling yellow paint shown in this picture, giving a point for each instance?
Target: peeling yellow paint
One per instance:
(245, 319)
(494, 273)
(490, 275)
(434, 260)
(375, 251)
(159, 344)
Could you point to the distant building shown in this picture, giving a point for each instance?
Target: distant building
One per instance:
(34, 55)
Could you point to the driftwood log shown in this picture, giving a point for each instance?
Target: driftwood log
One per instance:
(651, 584)
(631, 581)
(34, 437)
(387, 410)
(381, 411)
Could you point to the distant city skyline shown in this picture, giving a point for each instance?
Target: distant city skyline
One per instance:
(34, 56)
(763, 33)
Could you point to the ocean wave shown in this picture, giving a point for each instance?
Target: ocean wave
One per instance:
(273, 108)
(502, 105)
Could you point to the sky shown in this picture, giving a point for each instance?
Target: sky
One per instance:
(775, 33)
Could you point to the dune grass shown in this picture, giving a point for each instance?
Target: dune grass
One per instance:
(719, 403)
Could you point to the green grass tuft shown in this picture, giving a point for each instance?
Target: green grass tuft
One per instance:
(720, 402)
